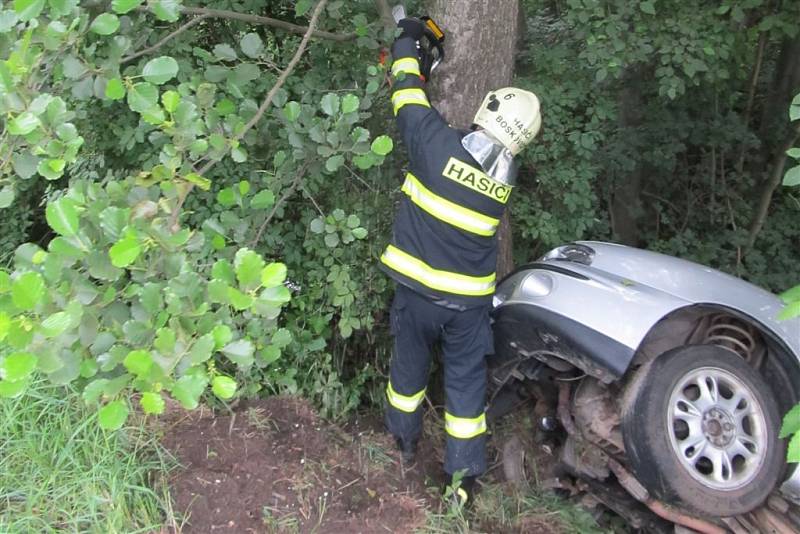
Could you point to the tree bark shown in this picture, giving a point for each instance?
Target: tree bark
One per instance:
(480, 47)
(627, 201)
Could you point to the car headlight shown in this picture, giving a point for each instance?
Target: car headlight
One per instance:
(573, 252)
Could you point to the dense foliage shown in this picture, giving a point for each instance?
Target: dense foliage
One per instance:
(205, 190)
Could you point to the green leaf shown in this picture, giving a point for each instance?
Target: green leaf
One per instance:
(152, 403)
(10, 390)
(138, 362)
(383, 145)
(252, 45)
(334, 163)
(291, 111)
(160, 70)
(199, 181)
(225, 52)
(281, 338)
(56, 324)
(188, 388)
(791, 422)
(167, 10)
(317, 225)
(350, 103)
(794, 109)
(142, 97)
(124, 6)
(125, 251)
(273, 275)
(7, 196)
(170, 100)
(262, 199)
(330, 104)
(223, 270)
(115, 90)
(23, 124)
(240, 352)
(5, 325)
(113, 415)
(360, 233)
(222, 335)
(648, 7)
(226, 197)
(791, 295)
(223, 387)
(332, 240)
(275, 296)
(793, 153)
(28, 9)
(792, 177)
(240, 301)
(165, 341)
(239, 154)
(202, 349)
(790, 311)
(302, 7)
(105, 24)
(18, 366)
(248, 265)
(793, 451)
(27, 291)
(62, 216)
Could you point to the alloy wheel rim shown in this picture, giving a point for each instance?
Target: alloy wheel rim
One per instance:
(717, 428)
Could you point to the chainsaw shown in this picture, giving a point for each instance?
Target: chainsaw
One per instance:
(431, 47)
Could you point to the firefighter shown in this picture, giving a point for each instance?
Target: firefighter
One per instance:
(443, 255)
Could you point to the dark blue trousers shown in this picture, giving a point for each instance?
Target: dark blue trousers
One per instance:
(418, 323)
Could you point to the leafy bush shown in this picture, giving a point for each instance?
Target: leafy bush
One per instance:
(156, 280)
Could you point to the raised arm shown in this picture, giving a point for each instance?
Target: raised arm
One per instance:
(409, 100)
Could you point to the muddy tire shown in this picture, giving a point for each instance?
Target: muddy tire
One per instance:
(702, 428)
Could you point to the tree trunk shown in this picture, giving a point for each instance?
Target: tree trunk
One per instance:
(480, 46)
(627, 202)
(777, 134)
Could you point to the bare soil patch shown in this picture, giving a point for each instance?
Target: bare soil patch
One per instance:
(275, 466)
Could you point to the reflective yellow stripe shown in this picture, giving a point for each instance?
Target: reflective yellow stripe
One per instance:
(464, 428)
(404, 403)
(449, 212)
(423, 273)
(404, 97)
(407, 65)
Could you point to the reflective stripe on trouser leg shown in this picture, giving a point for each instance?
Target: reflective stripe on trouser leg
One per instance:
(466, 340)
(404, 403)
(464, 427)
(414, 327)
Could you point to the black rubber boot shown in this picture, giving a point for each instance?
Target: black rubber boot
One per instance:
(461, 492)
(408, 451)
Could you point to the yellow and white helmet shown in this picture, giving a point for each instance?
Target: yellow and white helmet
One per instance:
(512, 116)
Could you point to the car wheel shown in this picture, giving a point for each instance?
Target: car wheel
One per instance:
(702, 427)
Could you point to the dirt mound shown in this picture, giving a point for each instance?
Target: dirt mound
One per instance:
(275, 466)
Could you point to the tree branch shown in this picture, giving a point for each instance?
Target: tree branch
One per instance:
(765, 199)
(266, 21)
(301, 172)
(165, 40)
(264, 105)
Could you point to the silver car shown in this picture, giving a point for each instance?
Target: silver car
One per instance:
(659, 377)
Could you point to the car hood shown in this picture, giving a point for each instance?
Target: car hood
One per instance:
(694, 283)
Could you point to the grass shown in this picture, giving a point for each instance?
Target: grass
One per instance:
(60, 472)
(502, 508)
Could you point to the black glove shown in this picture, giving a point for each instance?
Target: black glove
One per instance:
(412, 27)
